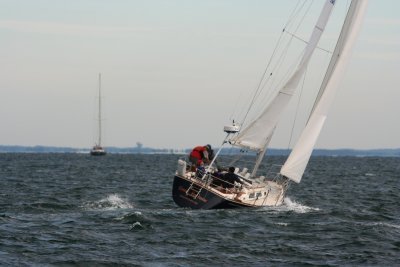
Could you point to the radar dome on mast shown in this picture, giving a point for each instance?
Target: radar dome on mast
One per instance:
(232, 129)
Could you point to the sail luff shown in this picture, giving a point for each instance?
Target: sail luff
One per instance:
(259, 132)
(298, 159)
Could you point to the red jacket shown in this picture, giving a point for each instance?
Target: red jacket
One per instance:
(198, 152)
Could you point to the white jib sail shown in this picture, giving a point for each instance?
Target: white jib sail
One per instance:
(256, 135)
(297, 161)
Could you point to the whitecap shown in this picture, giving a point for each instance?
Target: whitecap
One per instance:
(290, 205)
(136, 213)
(111, 202)
(136, 225)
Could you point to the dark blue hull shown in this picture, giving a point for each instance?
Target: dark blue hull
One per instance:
(206, 199)
(98, 153)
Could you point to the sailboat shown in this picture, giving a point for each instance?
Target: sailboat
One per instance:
(97, 149)
(198, 188)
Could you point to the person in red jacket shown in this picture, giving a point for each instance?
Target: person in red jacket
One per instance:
(200, 154)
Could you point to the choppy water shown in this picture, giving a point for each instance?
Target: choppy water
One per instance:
(77, 210)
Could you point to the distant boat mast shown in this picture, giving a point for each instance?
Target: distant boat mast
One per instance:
(99, 113)
(98, 150)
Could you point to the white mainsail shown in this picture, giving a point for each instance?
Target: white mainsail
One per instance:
(259, 132)
(298, 159)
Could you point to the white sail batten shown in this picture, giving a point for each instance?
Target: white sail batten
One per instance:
(258, 133)
(298, 159)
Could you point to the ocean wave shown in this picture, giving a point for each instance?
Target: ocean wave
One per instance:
(111, 202)
(290, 205)
(389, 225)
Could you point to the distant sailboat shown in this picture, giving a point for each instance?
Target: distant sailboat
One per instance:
(97, 149)
(201, 188)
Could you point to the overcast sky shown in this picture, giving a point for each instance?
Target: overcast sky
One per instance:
(173, 70)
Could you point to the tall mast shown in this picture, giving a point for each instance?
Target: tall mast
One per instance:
(99, 113)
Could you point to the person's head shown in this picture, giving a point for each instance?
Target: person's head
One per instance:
(208, 147)
(231, 169)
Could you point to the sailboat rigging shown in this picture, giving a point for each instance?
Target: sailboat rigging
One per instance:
(97, 149)
(201, 189)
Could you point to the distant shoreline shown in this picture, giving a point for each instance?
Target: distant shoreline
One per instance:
(146, 150)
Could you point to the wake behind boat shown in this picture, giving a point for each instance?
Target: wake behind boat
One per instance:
(208, 187)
